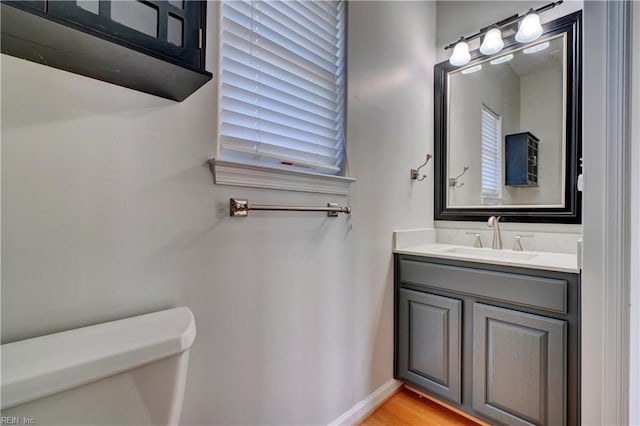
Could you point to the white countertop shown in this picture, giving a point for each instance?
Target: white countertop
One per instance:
(562, 262)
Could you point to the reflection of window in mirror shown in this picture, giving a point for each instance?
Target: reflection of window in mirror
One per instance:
(491, 156)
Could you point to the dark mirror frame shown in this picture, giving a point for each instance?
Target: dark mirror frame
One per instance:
(572, 211)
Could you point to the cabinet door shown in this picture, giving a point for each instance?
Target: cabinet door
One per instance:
(519, 367)
(429, 333)
(170, 28)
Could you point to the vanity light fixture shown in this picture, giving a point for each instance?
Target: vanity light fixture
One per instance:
(536, 48)
(501, 59)
(530, 28)
(492, 43)
(460, 55)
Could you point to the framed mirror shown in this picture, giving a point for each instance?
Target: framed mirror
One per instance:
(507, 131)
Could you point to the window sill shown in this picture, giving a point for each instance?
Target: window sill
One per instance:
(256, 176)
(491, 201)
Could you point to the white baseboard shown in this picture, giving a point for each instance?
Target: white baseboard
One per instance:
(365, 407)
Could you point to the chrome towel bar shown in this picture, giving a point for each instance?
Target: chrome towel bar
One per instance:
(239, 207)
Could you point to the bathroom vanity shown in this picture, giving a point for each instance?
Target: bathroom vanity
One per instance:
(496, 332)
(499, 342)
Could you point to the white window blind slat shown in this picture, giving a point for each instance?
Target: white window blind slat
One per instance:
(273, 159)
(275, 63)
(254, 153)
(491, 171)
(282, 84)
(289, 8)
(272, 143)
(265, 74)
(240, 145)
(264, 125)
(243, 77)
(296, 107)
(304, 36)
(489, 132)
(238, 104)
(236, 87)
(318, 13)
(314, 41)
(242, 13)
(491, 153)
(264, 37)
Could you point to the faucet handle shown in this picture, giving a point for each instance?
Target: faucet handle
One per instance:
(517, 246)
(478, 241)
(493, 220)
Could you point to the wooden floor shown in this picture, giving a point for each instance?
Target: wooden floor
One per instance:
(409, 408)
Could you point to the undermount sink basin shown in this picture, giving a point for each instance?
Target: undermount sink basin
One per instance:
(490, 253)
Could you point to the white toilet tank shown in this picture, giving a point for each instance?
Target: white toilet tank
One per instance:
(127, 372)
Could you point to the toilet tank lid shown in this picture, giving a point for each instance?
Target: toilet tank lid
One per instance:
(45, 365)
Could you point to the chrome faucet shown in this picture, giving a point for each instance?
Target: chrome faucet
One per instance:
(497, 238)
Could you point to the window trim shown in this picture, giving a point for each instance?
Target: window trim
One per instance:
(227, 172)
(235, 173)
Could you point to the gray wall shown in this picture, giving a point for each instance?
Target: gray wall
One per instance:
(541, 101)
(108, 211)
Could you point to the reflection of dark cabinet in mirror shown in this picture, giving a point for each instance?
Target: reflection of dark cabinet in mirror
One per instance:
(570, 212)
(521, 160)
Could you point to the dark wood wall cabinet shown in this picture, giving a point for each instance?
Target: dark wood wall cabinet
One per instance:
(501, 343)
(156, 47)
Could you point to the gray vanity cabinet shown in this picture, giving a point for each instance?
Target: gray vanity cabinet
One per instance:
(519, 374)
(430, 333)
(499, 342)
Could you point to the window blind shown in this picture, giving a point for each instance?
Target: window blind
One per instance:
(282, 84)
(491, 154)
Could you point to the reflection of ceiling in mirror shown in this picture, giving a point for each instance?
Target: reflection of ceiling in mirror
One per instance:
(526, 64)
(522, 64)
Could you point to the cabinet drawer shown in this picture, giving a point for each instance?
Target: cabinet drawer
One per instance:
(525, 290)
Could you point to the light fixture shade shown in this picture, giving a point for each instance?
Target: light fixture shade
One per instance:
(492, 42)
(530, 28)
(536, 48)
(472, 69)
(460, 55)
(501, 59)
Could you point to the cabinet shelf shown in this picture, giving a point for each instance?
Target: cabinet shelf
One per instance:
(42, 37)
